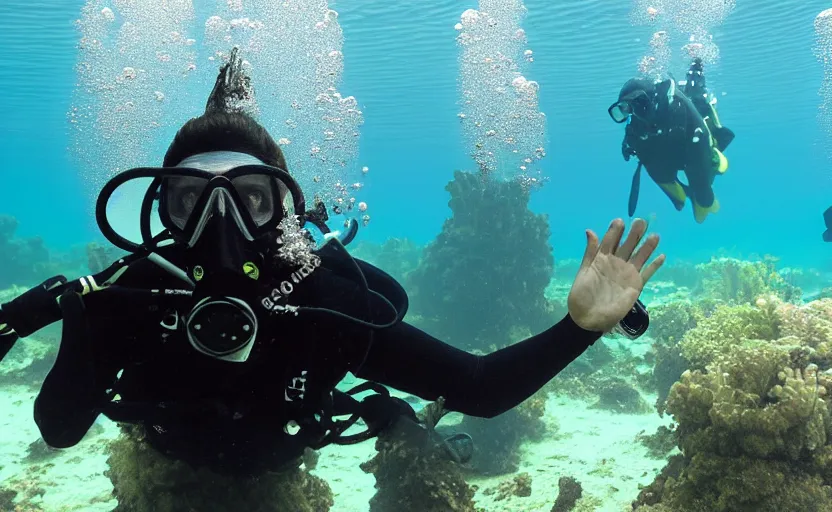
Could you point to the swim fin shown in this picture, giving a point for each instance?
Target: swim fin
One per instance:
(634, 189)
(701, 212)
(676, 192)
(827, 237)
(721, 162)
(723, 137)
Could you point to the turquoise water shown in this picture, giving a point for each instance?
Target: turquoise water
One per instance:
(401, 62)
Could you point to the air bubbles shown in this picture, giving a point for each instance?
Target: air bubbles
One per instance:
(500, 106)
(823, 52)
(469, 17)
(108, 14)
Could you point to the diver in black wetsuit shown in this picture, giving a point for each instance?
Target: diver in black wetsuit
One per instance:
(672, 130)
(226, 343)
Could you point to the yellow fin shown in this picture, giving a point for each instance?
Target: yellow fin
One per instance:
(722, 165)
(675, 191)
(701, 212)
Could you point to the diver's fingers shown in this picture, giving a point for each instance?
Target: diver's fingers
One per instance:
(612, 237)
(645, 251)
(591, 248)
(651, 269)
(637, 230)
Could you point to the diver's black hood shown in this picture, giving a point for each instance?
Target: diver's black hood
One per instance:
(637, 84)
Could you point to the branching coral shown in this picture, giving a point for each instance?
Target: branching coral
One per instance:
(751, 429)
(741, 282)
(487, 270)
(726, 327)
(812, 325)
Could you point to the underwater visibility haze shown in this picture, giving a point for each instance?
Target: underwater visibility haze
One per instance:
(471, 144)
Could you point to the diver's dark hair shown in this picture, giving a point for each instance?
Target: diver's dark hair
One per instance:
(224, 131)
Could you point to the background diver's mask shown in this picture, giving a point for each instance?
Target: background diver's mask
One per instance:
(636, 103)
(224, 209)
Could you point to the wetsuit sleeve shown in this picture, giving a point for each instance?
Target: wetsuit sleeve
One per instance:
(71, 395)
(412, 361)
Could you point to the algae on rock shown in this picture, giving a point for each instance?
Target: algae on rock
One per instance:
(145, 480)
(414, 472)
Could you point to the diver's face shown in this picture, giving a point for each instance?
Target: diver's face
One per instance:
(255, 191)
(636, 104)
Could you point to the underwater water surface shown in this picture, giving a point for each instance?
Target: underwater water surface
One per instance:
(730, 380)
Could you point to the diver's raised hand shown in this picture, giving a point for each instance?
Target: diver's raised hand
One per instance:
(612, 276)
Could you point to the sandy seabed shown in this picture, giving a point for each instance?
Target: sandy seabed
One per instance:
(596, 447)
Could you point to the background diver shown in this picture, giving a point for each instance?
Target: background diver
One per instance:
(672, 130)
(226, 345)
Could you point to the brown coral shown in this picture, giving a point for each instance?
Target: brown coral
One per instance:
(414, 473)
(145, 480)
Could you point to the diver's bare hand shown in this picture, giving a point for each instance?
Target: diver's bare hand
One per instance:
(612, 276)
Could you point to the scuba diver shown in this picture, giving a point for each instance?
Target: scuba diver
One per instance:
(223, 336)
(671, 130)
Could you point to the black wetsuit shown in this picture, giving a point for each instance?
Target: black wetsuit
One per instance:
(676, 139)
(232, 417)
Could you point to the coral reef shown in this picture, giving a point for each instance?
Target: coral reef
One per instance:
(569, 492)
(7, 497)
(588, 377)
(396, 256)
(668, 324)
(413, 472)
(619, 396)
(28, 363)
(682, 273)
(726, 327)
(740, 281)
(520, 486)
(145, 480)
(660, 443)
(99, 257)
(497, 440)
(753, 422)
(488, 269)
(24, 261)
(24, 492)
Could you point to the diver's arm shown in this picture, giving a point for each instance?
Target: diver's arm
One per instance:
(406, 358)
(412, 361)
(69, 399)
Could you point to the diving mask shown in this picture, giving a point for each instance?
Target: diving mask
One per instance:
(249, 195)
(219, 208)
(254, 196)
(637, 103)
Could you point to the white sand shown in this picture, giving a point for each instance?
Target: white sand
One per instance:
(596, 447)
